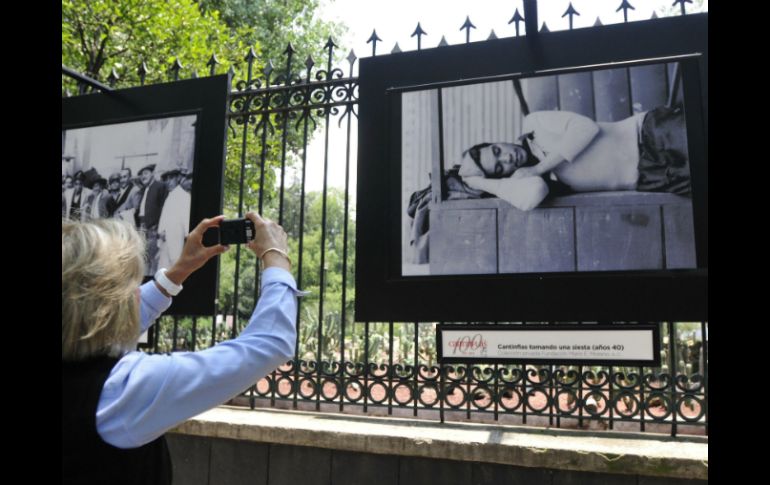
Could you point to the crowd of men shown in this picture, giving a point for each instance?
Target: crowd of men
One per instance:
(160, 209)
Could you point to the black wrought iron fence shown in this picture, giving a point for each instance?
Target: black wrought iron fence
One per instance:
(390, 367)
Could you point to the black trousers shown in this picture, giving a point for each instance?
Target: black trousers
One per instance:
(664, 165)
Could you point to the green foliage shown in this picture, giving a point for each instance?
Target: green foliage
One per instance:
(99, 35)
(272, 24)
(312, 270)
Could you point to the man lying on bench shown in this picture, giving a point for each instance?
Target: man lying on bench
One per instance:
(568, 151)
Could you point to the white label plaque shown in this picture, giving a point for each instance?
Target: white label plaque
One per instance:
(630, 345)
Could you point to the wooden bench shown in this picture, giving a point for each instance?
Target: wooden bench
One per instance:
(599, 231)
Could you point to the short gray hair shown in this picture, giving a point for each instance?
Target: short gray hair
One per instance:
(102, 267)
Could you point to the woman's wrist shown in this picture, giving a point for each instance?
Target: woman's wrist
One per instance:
(276, 259)
(177, 274)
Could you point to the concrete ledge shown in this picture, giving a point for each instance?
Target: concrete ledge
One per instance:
(608, 452)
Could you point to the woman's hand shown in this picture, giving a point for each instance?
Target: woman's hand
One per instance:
(194, 253)
(267, 235)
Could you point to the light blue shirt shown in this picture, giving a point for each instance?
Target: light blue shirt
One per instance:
(145, 395)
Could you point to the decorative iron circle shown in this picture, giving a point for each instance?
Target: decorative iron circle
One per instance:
(307, 387)
(598, 409)
(687, 401)
(482, 397)
(353, 386)
(335, 385)
(371, 392)
(630, 403)
(423, 390)
(409, 396)
(514, 395)
(652, 401)
(453, 399)
(290, 387)
(264, 386)
(534, 391)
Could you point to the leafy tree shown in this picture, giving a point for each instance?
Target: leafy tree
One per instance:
(272, 24)
(332, 269)
(101, 35)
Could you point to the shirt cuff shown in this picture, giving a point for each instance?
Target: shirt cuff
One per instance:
(154, 299)
(274, 274)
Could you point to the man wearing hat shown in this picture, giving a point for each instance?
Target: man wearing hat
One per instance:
(147, 214)
(174, 222)
(99, 203)
(74, 199)
(171, 178)
(114, 187)
(127, 191)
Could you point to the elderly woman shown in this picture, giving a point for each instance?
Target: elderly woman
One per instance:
(117, 402)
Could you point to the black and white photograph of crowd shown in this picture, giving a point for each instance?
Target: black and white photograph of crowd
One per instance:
(141, 172)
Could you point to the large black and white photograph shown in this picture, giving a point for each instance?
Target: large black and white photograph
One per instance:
(153, 156)
(581, 171)
(139, 171)
(556, 177)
